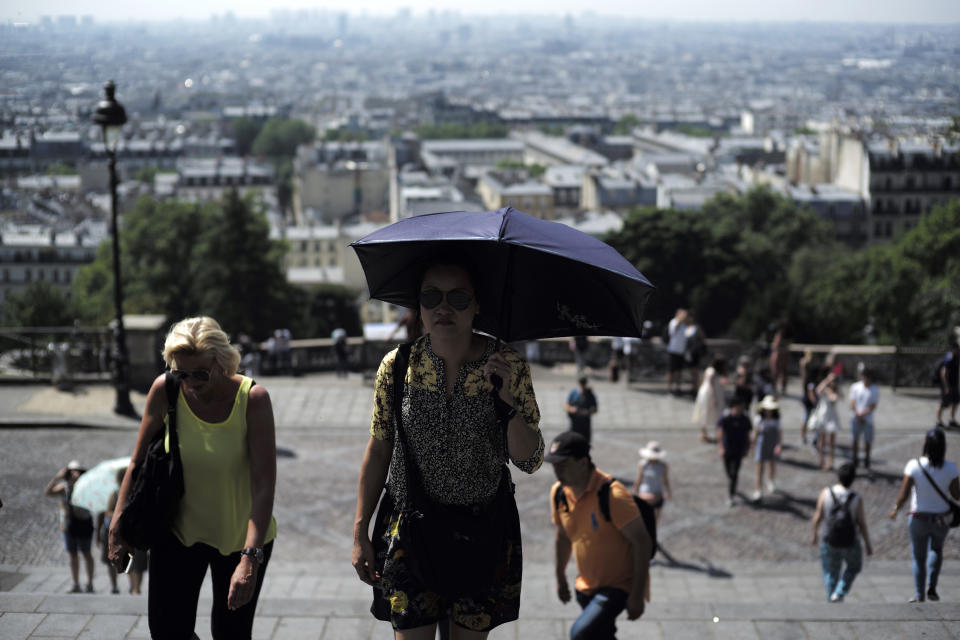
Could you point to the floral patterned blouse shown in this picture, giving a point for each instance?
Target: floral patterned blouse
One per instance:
(457, 442)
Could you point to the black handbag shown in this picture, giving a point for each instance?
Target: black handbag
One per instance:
(954, 507)
(156, 484)
(453, 550)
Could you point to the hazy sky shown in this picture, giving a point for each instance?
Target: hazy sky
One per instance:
(933, 11)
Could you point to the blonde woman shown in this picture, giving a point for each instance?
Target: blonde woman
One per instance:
(225, 426)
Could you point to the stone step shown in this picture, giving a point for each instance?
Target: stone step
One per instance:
(354, 607)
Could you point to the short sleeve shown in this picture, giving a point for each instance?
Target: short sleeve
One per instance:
(874, 395)
(381, 424)
(910, 468)
(554, 517)
(623, 510)
(525, 402)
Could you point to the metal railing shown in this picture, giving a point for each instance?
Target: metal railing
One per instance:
(33, 353)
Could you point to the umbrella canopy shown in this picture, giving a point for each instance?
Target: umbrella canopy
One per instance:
(92, 489)
(538, 279)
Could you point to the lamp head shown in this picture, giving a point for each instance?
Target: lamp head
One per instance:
(110, 115)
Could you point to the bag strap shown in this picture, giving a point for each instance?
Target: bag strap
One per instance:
(172, 386)
(950, 503)
(401, 363)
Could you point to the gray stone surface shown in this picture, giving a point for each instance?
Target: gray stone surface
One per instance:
(751, 567)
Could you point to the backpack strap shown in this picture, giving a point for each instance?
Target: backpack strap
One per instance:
(560, 500)
(950, 503)
(172, 387)
(603, 497)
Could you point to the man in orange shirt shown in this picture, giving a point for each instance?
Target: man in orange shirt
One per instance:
(611, 546)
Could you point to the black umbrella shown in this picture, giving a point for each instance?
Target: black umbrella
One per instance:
(539, 279)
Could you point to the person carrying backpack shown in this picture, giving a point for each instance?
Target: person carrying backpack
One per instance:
(840, 510)
(599, 523)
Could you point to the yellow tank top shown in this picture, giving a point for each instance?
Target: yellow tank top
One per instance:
(215, 508)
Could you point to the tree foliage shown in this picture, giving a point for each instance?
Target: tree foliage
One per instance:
(39, 304)
(458, 131)
(245, 131)
(279, 137)
(728, 262)
(181, 259)
(741, 263)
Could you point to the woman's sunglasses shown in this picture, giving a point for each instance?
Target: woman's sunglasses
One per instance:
(459, 299)
(200, 374)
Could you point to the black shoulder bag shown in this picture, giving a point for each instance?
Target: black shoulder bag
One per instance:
(453, 550)
(156, 484)
(954, 507)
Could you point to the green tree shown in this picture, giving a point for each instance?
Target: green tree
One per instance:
(626, 124)
(245, 131)
(279, 138)
(39, 304)
(729, 262)
(181, 259)
(329, 306)
(60, 169)
(242, 281)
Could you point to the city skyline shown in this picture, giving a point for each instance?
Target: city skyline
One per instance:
(889, 11)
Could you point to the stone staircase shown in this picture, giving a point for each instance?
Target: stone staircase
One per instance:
(325, 601)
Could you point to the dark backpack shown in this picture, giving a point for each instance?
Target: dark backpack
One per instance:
(603, 497)
(841, 526)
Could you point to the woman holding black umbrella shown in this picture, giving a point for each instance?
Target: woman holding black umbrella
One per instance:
(455, 436)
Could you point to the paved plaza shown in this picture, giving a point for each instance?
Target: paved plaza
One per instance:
(742, 572)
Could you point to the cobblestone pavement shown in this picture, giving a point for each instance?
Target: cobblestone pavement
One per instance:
(322, 430)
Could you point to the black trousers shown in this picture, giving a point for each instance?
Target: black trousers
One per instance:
(731, 464)
(176, 575)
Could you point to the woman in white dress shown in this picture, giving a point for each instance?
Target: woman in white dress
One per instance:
(710, 401)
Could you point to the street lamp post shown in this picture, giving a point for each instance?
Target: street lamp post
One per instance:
(111, 116)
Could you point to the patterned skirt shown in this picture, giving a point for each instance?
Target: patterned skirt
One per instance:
(401, 599)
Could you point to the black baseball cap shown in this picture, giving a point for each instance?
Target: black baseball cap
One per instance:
(568, 444)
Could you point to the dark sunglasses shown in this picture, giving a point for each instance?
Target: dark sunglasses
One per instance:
(200, 374)
(459, 299)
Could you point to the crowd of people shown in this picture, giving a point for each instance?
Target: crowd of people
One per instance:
(437, 530)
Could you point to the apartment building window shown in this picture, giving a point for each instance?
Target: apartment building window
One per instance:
(888, 184)
(911, 183)
(877, 229)
(56, 276)
(889, 229)
(332, 262)
(6, 275)
(947, 183)
(316, 246)
(28, 275)
(67, 276)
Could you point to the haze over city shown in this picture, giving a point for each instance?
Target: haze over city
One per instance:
(887, 11)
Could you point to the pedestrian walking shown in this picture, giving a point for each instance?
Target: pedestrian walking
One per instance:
(598, 523)
(767, 442)
(948, 373)
(710, 401)
(676, 351)
(733, 443)
(864, 397)
(825, 422)
(810, 375)
(743, 383)
(225, 428)
(339, 336)
(580, 406)
(840, 513)
(653, 477)
(696, 348)
(445, 437)
(578, 345)
(928, 479)
(780, 358)
(76, 524)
